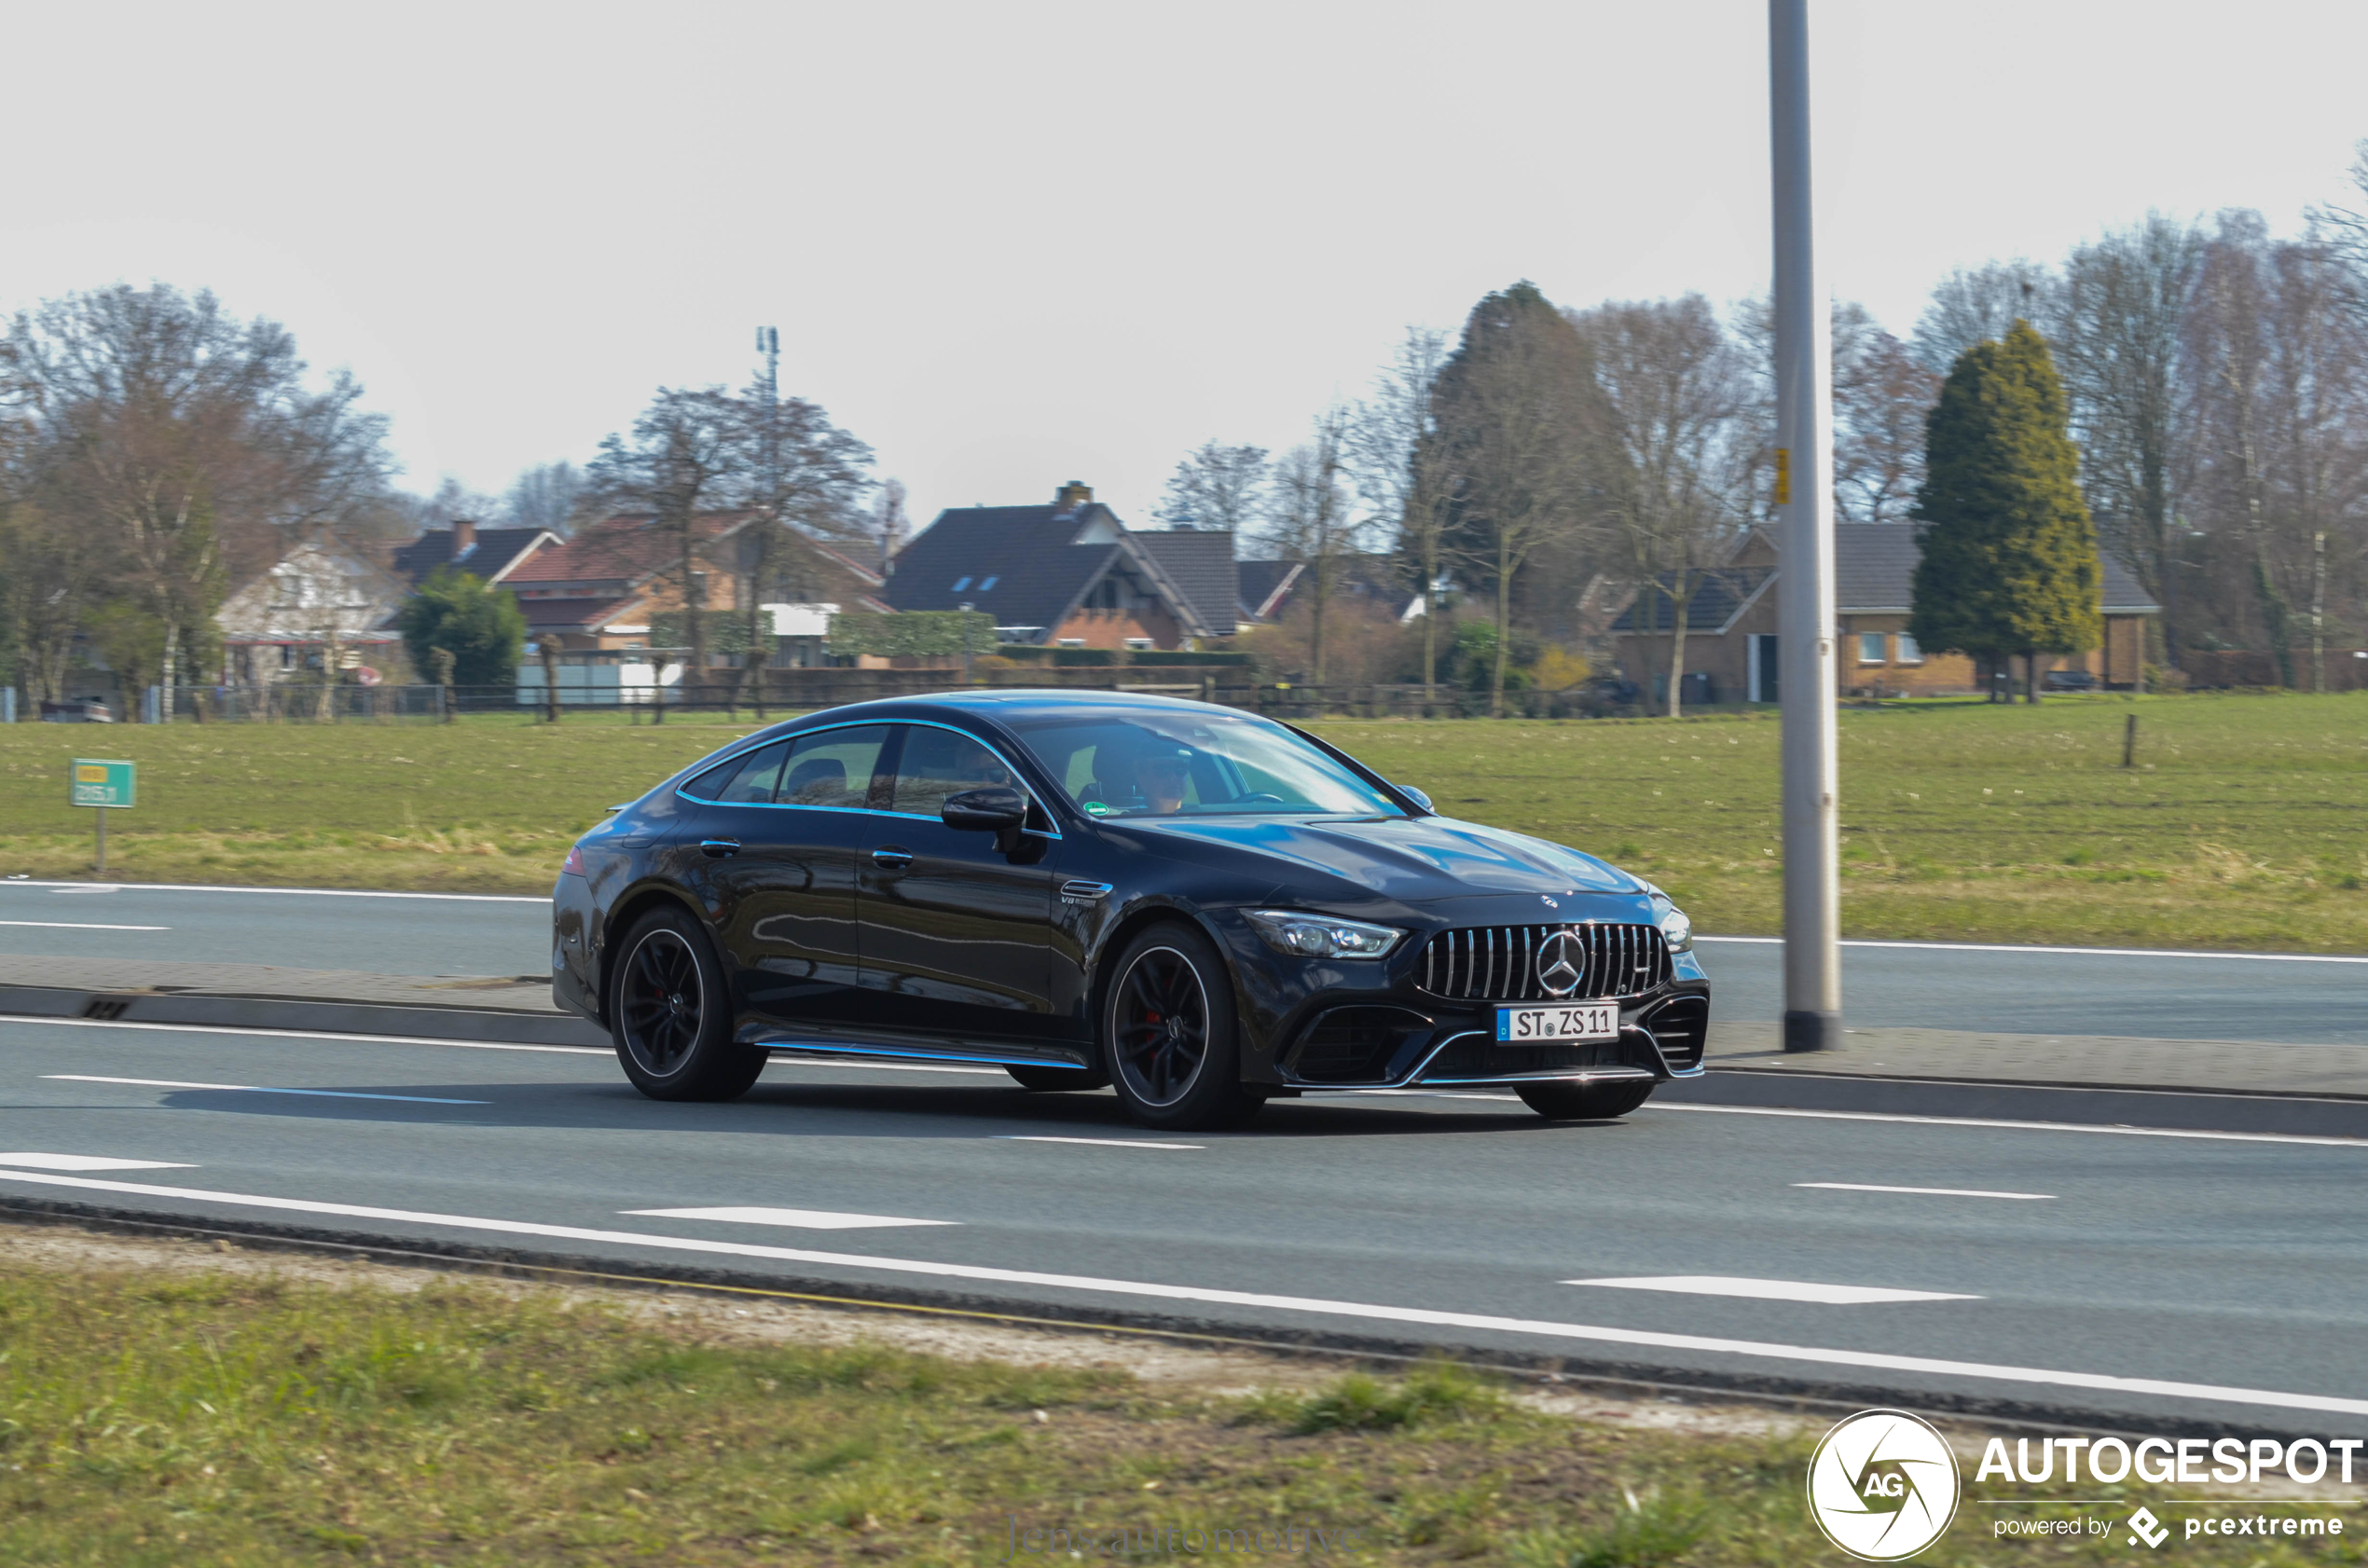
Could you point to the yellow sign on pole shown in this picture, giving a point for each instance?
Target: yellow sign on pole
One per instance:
(1784, 475)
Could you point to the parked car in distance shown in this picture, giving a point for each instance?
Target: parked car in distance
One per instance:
(2070, 681)
(77, 710)
(1200, 908)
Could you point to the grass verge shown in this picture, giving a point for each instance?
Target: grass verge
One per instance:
(167, 1415)
(2239, 827)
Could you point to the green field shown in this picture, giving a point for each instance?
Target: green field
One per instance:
(159, 1417)
(2245, 824)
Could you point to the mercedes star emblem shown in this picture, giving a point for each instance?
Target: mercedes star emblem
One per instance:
(1562, 963)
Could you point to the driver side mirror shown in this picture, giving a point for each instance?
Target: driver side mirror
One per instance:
(996, 810)
(1416, 795)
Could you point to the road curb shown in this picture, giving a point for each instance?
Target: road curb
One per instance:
(303, 1013)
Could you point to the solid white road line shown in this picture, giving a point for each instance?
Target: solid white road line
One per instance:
(1104, 1142)
(259, 1089)
(1775, 1290)
(2069, 952)
(79, 925)
(89, 1162)
(303, 892)
(804, 1219)
(1314, 1306)
(1935, 1191)
(2017, 1126)
(298, 1034)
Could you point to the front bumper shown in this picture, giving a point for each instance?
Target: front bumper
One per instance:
(1332, 1024)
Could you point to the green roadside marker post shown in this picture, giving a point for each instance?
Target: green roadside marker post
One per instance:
(106, 786)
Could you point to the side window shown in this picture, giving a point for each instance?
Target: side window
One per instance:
(939, 762)
(832, 767)
(749, 781)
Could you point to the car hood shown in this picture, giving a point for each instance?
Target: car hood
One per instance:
(1413, 860)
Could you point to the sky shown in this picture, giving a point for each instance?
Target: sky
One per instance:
(1015, 244)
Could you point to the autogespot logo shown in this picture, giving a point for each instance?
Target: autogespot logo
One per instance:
(1884, 1485)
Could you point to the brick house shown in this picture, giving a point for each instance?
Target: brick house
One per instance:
(1071, 575)
(1731, 626)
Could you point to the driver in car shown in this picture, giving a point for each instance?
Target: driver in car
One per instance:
(1149, 779)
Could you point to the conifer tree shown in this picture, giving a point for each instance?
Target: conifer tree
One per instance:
(2009, 555)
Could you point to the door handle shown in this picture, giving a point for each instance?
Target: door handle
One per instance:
(894, 859)
(718, 849)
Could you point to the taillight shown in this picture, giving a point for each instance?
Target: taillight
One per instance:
(575, 865)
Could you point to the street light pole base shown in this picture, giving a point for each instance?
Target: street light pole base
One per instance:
(1812, 1031)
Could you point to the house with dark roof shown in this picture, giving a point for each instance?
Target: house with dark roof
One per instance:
(1070, 575)
(1375, 584)
(1730, 625)
(491, 554)
(599, 589)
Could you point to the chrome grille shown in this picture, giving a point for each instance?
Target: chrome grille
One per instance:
(1499, 963)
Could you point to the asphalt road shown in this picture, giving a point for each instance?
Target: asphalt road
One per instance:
(2208, 1277)
(2011, 990)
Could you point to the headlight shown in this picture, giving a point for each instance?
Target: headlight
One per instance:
(1675, 927)
(1321, 936)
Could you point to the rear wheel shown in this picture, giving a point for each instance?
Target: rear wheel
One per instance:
(1169, 1034)
(672, 1014)
(1584, 1102)
(1049, 1080)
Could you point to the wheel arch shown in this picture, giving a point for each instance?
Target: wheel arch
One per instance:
(1134, 923)
(627, 913)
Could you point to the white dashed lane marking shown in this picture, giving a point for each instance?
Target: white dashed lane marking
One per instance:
(89, 1162)
(1775, 1290)
(1101, 1143)
(80, 926)
(260, 1088)
(803, 1219)
(1928, 1191)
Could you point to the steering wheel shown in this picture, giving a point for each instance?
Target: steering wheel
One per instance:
(1263, 798)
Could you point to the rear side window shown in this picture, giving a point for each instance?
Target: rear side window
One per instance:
(832, 767)
(747, 780)
(939, 762)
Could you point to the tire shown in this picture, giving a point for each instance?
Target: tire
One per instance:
(1046, 1080)
(1169, 1037)
(1584, 1102)
(671, 1013)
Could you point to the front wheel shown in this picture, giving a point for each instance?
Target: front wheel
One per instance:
(673, 1014)
(1169, 1034)
(1584, 1102)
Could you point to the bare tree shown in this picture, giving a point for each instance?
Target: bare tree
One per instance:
(890, 523)
(544, 496)
(2343, 231)
(191, 443)
(1313, 519)
(1677, 389)
(1881, 394)
(1217, 487)
(687, 456)
(1386, 435)
(1975, 305)
(2118, 342)
(806, 478)
(1520, 444)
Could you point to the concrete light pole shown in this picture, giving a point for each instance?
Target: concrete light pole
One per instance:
(1805, 584)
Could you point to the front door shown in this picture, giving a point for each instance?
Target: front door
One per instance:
(1763, 672)
(782, 851)
(957, 934)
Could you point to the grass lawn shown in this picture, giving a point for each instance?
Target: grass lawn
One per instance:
(2244, 826)
(159, 1415)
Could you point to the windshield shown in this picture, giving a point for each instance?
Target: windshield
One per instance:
(1192, 764)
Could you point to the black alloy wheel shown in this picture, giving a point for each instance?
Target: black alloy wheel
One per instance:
(1168, 1033)
(1585, 1102)
(672, 1016)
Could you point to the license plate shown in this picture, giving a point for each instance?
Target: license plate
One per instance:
(1587, 1021)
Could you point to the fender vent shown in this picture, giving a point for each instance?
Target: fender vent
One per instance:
(106, 1009)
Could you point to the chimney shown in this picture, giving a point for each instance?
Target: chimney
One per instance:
(464, 537)
(1071, 496)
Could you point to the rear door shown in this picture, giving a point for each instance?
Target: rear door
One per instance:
(957, 934)
(781, 851)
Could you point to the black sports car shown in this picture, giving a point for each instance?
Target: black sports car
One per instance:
(1202, 909)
